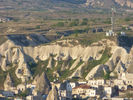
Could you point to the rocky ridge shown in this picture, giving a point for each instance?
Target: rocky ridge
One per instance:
(109, 3)
(69, 58)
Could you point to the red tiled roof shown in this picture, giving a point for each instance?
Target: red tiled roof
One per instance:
(83, 86)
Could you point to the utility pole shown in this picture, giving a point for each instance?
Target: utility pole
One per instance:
(112, 19)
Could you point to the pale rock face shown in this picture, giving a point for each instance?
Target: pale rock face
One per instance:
(95, 72)
(14, 54)
(120, 67)
(35, 79)
(53, 94)
(50, 63)
(8, 84)
(43, 85)
(75, 63)
(21, 87)
(119, 54)
(22, 70)
(77, 72)
(11, 53)
(94, 3)
(75, 52)
(127, 3)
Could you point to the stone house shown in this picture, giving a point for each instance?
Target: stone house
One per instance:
(96, 83)
(65, 91)
(127, 78)
(84, 91)
(110, 91)
(110, 33)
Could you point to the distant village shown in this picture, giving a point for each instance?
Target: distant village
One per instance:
(113, 89)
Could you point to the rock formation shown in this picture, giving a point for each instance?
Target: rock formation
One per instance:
(43, 85)
(128, 3)
(18, 55)
(96, 72)
(53, 94)
(77, 72)
(109, 3)
(8, 84)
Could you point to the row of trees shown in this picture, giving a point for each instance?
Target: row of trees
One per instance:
(74, 22)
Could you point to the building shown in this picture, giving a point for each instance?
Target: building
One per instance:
(96, 83)
(110, 91)
(82, 82)
(65, 90)
(123, 33)
(110, 33)
(121, 84)
(84, 91)
(127, 77)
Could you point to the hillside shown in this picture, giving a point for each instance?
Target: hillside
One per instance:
(60, 60)
(62, 4)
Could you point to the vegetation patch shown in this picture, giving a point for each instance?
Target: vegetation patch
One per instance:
(3, 75)
(92, 63)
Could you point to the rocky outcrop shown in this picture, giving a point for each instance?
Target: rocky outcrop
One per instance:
(18, 56)
(93, 3)
(119, 54)
(128, 3)
(43, 85)
(109, 3)
(75, 63)
(53, 94)
(8, 84)
(22, 70)
(77, 72)
(14, 54)
(50, 63)
(97, 71)
(43, 52)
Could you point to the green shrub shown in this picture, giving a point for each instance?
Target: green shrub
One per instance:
(60, 24)
(84, 21)
(92, 63)
(74, 23)
(38, 27)
(107, 76)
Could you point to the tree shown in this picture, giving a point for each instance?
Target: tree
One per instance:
(60, 24)
(107, 76)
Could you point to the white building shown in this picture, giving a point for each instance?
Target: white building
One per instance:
(108, 91)
(70, 85)
(82, 82)
(65, 90)
(91, 92)
(123, 33)
(120, 83)
(84, 91)
(96, 83)
(110, 33)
